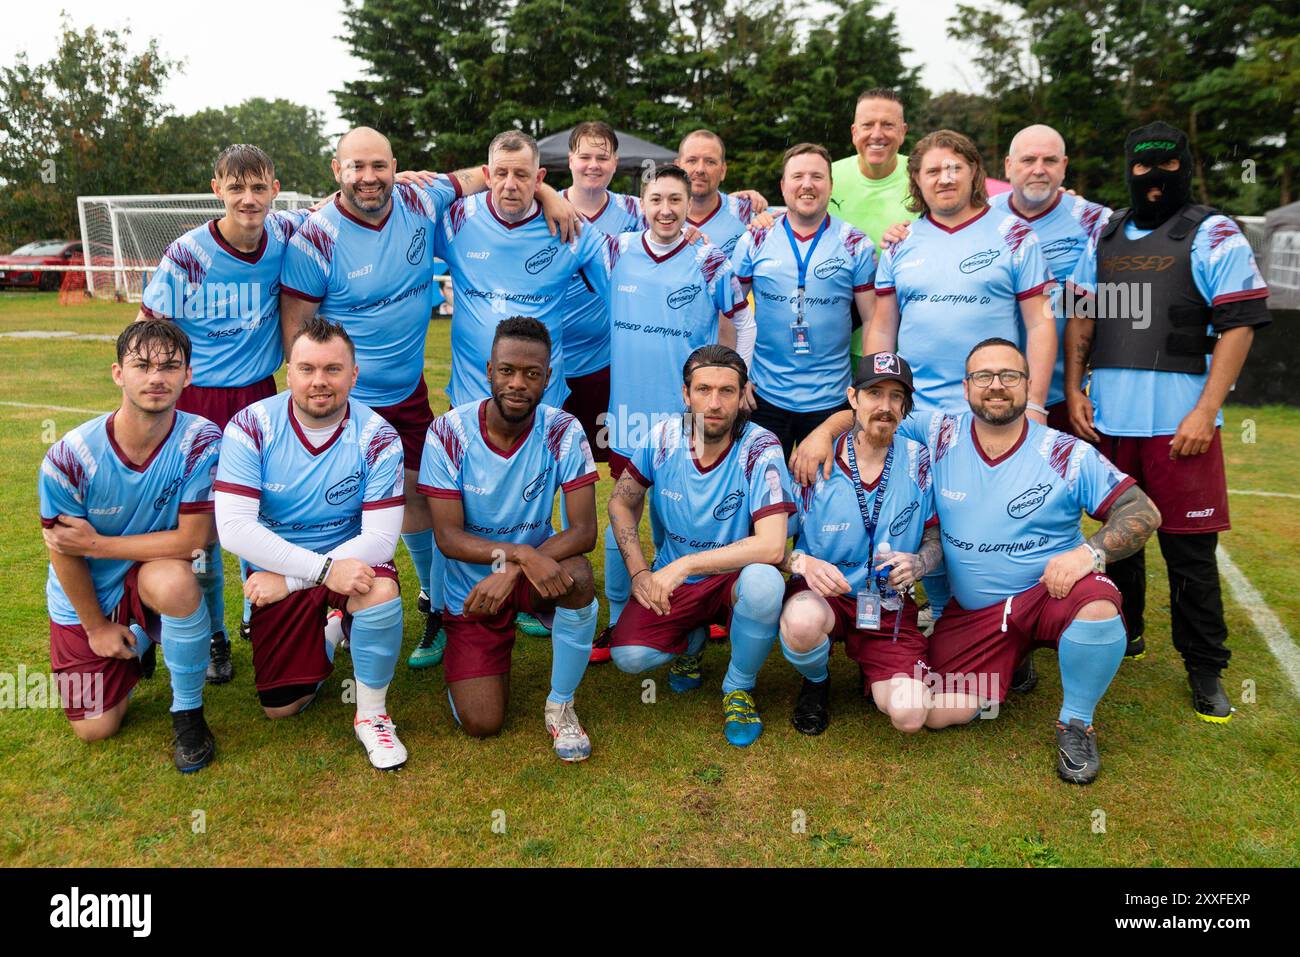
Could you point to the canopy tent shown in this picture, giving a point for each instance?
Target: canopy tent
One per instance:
(632, 151)
(1281, 263)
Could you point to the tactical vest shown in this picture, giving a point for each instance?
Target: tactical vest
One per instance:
(1170, 336)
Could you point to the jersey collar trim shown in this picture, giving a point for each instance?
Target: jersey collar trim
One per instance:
(800, 236)
(1024, 433)
(717, 209)
(961, 226)
(839, 449)
(706, 469)
(338, 203)
(252, 257)
(537, 211)
(681, 244)
(1051, 207)
(117, 449)
(313, 449)
(599, 213)
(519, 442)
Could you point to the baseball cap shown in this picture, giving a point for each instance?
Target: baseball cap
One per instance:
(880, 367)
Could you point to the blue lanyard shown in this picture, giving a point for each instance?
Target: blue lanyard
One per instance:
(870, 523)
(801, 262)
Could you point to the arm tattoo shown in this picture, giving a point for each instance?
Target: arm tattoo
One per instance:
(1129, 523)
(629, 491)
(931, 550)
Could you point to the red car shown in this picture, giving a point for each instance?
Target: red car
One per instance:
(22, 267)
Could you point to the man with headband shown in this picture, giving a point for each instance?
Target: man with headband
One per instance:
(1165, 303)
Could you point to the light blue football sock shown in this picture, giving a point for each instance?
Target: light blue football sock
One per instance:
(1089, 654)
(634, 659)
(213, 583)
(375, 641)
(571, 638)
(618, 586)
(810, 664)
(420, 545)
(185, 650)
(759, 592)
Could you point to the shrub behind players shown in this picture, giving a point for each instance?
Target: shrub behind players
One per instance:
(126, 505)
(706, 475)
(491, 470)
(309, 492)
(666, 298)
(220, 282)
(866, 534)
(1022, 574)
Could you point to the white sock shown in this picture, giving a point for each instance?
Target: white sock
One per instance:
(370, 701)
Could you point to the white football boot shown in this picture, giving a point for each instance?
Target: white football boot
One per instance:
(378, 735)
(571, 742)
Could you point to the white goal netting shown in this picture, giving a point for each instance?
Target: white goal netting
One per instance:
(123, 237)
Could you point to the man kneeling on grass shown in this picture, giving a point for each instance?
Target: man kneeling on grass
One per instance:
(492, 468)
(707, 476)
(126, 504)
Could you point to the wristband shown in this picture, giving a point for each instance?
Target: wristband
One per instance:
(325, 570)
(1098, 559)
(1035, 407)
(638, 573)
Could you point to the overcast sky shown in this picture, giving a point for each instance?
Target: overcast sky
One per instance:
(212, 77)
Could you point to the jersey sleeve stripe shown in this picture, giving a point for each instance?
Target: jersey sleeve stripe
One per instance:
(1125, 484)
(455, 185)
(588, 479)
(865, 288)
(786, 508)
(432, 492)
(744, 303)
(636, 474)
(153, 314)
(290, 291)
(885, 290)
(234, 489)
(383, 503)
(1030, 293)
(1078, 291)
(1240, 295)
(191, 508)
(48, 522)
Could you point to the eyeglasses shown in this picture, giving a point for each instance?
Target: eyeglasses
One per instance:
(1008, 377)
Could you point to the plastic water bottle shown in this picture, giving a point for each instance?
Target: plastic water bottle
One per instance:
(889, 598)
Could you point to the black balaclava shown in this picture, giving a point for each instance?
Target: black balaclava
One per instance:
(1152, 145)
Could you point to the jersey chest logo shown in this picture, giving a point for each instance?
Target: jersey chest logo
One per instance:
(539, 261)
(829, 268)
(1060, 247)
(683, 297)
(415, 251)
(344, 489)
(166, 495)
(897, 526)
(979, 260)
(729, 505)
(535, 487)
(1028, 501)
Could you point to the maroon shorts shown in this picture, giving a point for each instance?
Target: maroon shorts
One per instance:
(1058, 417)
(288, 636)
(479, 645)
(706, 602)
(877, 653)
(1190, 491)
(84, 694)
(985, 645)
(219, 404)
(411, 418)
(588, 400)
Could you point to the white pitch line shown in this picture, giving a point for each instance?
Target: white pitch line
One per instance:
(1251, 491)
(1266, 622)
(57, 334)
(53, 408)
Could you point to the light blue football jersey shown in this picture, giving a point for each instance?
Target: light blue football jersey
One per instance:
(508, 495)
(727, 223)
(829, 519)
(662, 308)
(227, 301)
(841, 260)
(377, 282)
(1002, 519)
(499, 270)
(1063, 231)
(586, 315)
(86, 475)
(700, 509)
(311, 496)
(956, 287)
(1146, 402)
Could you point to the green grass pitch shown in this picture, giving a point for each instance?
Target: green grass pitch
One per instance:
(662, 786)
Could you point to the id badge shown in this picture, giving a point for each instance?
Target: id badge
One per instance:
(799, 340)
(868, 611)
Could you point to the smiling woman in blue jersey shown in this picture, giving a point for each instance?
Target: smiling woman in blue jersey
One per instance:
(806, 271)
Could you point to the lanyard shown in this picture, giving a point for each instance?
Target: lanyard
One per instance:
(870, 523)
(801, 262)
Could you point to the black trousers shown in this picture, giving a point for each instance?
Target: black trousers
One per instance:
(1195, 600)
(789, 427)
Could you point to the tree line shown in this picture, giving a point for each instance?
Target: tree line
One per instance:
(442, 76)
